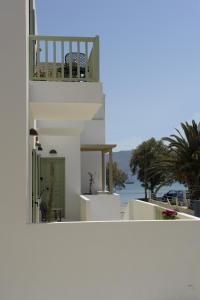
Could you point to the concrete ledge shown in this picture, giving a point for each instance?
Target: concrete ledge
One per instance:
(141, 210)
(75, 92)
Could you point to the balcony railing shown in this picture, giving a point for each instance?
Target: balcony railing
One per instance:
(54, 58)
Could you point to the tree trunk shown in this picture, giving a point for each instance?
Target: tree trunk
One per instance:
(145, 191)
(194, 192)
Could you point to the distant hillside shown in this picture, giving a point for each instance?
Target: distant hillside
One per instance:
(122, 158)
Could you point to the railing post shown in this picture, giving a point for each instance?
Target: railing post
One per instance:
(110, 172)
(30, 58)
(96, 59)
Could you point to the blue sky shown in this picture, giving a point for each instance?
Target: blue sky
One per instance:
(150, 60)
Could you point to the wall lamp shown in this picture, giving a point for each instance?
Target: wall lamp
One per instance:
(53, 151)
(33, 132)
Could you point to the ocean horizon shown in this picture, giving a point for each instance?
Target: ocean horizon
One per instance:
(135, 190)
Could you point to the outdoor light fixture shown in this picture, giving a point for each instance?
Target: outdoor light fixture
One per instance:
(53, 151)
(33, 132)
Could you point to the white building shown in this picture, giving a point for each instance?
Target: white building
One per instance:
(47, 83)
(67, 108)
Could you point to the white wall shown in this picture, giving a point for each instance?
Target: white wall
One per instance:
(91, 162)
(60, 124)
(94, 133)
(101, 207)
(140, 210)
(101, 260)
(101, 113)
(68, 147)
(73, 92)
(85, 208)
(13, 111)
(115, 260)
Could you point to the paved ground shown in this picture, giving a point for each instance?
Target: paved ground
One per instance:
(124, 211)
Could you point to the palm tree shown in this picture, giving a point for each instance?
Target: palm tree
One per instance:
(183, 164)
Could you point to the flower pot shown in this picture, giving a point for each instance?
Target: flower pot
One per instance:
(169, 214)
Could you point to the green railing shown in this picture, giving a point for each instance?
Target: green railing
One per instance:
(54, 58)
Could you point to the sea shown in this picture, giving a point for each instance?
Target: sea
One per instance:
(136, 191)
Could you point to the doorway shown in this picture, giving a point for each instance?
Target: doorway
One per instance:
(57, 164)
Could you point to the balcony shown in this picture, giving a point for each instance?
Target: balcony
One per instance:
(72, 59)
(64, 78)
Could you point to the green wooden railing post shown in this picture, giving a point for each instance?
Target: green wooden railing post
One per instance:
(78, 60)
(63, 60)
(86, 61)
(46, 59)
(96, 59)
(54, 61)
(70, 60)
(31, 59)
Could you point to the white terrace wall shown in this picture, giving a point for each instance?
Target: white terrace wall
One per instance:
(68, 147)
(149, 260)
(140, 210)
(101, 207)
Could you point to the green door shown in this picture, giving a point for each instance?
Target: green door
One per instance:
(35, 186)
(58, 181)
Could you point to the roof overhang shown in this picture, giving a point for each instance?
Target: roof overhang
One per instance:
(98, 147)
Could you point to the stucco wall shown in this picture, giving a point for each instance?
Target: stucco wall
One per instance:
(102, 260)
(47, 91)
(13, 110)
(100, 207)
(94, 133)
(124, 260)
(68, 147)
(140, 210)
